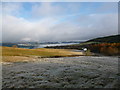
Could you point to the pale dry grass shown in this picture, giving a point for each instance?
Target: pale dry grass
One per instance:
(11, 54)
(17, 59)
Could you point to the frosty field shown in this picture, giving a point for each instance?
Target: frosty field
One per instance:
(67, 72)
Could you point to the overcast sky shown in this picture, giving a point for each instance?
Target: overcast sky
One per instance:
(60, 21)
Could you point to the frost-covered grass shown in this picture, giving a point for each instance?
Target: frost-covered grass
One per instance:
(67, 72)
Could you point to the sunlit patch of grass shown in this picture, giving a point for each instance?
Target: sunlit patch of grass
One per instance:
(10, 51)
(16, 59)
(42, 52)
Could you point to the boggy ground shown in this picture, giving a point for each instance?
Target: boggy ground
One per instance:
(67, 72)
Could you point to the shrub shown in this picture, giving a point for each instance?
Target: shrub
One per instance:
(15, 46)
(88, 53)
(106, 48)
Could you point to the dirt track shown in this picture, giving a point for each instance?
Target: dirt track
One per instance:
(71, 72)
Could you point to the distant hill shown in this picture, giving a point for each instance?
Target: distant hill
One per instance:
(107, 39)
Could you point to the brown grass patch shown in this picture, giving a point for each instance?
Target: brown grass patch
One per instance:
(20, 54)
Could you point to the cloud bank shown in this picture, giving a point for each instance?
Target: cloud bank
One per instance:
(54, 22)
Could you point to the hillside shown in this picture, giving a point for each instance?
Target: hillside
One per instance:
(109, 45)
(107, 39)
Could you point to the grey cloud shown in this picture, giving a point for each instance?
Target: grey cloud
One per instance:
(111, 6)
(45, 30)
(13, 8)
(81, 27)
(48, 9)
